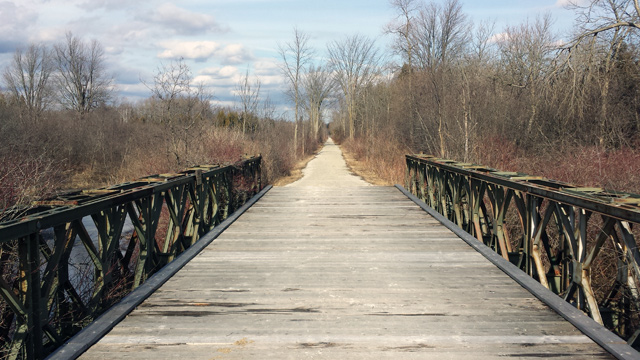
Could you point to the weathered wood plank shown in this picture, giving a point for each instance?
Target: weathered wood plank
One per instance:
(333, 273)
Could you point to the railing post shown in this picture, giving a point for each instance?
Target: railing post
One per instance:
(29, 254)
(258, 174)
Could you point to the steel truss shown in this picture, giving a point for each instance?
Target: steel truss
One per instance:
(558, 233)
(48, 297)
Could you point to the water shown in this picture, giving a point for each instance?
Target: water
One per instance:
(81, 267)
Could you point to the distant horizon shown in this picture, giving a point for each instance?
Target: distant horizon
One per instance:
(222, 40)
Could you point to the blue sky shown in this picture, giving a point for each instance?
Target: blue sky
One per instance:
(220, 39)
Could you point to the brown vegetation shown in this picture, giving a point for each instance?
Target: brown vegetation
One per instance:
(62, 152)
(511, 99)
(612, 169)
(380, 165)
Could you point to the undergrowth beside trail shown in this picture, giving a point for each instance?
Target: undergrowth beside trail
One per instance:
(378, 161)
(61, 153)
(612, 169)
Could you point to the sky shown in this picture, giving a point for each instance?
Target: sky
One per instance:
(220, 40)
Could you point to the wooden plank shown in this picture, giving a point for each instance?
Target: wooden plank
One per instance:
(92, 333)
(603, 337)
(306, 287)
(336, 269)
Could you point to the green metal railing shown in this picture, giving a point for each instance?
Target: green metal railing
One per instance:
(578, 242)
(58, 272)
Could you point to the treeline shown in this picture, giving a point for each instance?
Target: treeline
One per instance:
(501, 97)
(62, 128)
(519, 98)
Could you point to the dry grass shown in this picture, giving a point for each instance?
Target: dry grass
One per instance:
(363, 169)
(378, 161)
(62, 153)
(617, 169)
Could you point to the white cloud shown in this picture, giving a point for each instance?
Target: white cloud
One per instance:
(234, 54)
(134, 91)
(563, 3)
(229, 76)
(220, 72)
(124, 74)
(197, 50)
(86, 26)
(107, 4)
(51, 35)
(498, 38)
(228, 71)
(205, 80)
(271, 80)
(182, 21)
(15, 22)
(559, 43)
(224, 103)
(114, 50)
(219, 77)
(133, 31)
(266, 67)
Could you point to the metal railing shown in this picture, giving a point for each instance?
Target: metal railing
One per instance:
(66, 260)
(578, 242)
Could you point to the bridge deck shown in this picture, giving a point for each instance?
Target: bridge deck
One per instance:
(341, 272)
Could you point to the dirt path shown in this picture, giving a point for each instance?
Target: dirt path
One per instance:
(328, 169)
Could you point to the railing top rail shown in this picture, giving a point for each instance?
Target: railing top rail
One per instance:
(77, 204)
(621, 205)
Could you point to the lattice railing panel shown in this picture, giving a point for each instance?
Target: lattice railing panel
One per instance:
(67, 259)
(578, 242)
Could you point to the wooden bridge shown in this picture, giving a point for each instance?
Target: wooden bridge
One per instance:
(331, 267)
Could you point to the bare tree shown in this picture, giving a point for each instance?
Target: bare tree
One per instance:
(178, 104)
(318, 85)
(604, 27)
(474, 66)
(83, 81)
(402, 28)
(602, 16)
(440, 35)
(526, 53)
(481, 51)
(355, 62)
(27, 78)
(268, 110)
(295, 56)
(181, 100)
(249, 95)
